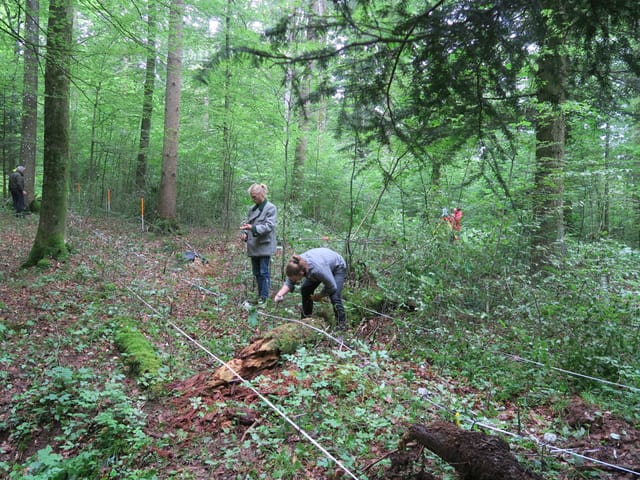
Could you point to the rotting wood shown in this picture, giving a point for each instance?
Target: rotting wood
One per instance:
(264, 352)
(474, 455)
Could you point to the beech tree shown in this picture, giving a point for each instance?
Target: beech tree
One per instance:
(29, 136)
(50, 236)
(147, 100)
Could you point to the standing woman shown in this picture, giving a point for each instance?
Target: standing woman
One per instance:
(259, 232)
(316, 266)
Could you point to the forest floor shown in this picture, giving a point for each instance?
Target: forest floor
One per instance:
(110, 254)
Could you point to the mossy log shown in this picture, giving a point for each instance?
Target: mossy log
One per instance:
(140, 356)
(265, 351)
(474, 455)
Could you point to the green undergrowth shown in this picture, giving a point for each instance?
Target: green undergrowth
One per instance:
(525, 339)
(91, 419)
(437, 331)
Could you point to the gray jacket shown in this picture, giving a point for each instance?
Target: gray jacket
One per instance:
(322, 264)
(261, 239)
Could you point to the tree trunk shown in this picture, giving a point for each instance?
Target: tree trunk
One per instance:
(302, 141)
(548, 235)
(30, 96)
(474, 455)
(227, 147)
(147, 102)
(167, 201)
(50, 237)
(606, 221)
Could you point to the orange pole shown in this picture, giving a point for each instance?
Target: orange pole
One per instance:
(142, 212)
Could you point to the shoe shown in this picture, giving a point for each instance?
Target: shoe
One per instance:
(341, 326)
(262, 301)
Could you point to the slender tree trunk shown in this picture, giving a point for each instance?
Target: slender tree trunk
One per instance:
(635, 209)
(548, 235)
(227, 147)
(167, 207)
(92, 174)
(50, 237)
(606, 222)
(302, 139)
(30, 96)
(147, 102)
(304, 78)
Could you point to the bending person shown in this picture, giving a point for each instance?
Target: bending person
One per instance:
(316, 266)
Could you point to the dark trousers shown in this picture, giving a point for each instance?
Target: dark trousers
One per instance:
(309, 286)
(18, 201)
(261, 267)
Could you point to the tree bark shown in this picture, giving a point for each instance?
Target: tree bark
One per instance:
(227, 142)
(167, 201)
(147, 102)
(474, 455)
(30, 96)
(548, 235)
(50, 237)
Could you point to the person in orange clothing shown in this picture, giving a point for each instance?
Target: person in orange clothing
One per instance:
(455, 220)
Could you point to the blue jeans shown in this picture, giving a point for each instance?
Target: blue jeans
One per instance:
(261, 267)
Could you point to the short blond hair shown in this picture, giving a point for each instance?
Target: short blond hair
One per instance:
(258, 188)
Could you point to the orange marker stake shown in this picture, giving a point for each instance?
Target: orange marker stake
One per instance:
(109, 200)
(142, 211)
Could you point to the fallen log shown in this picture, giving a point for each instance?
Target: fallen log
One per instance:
(474, 455)
(265, 351)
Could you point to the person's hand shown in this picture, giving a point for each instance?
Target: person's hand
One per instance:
(278, 298)
(246, 226)
(317, 297)
(243, 237)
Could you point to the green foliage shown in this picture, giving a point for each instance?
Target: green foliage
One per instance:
(472, 322)
(91, 426)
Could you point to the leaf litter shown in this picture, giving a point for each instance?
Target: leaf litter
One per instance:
(109, 255)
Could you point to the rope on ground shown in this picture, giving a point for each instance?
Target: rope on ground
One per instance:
(339, 341)
(371, 311)
(522, 359)
(474, 421)
(518, 358)
(247, 384)
(201, 288)
(467, 419)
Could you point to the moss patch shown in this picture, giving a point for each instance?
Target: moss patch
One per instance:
(139, 354)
